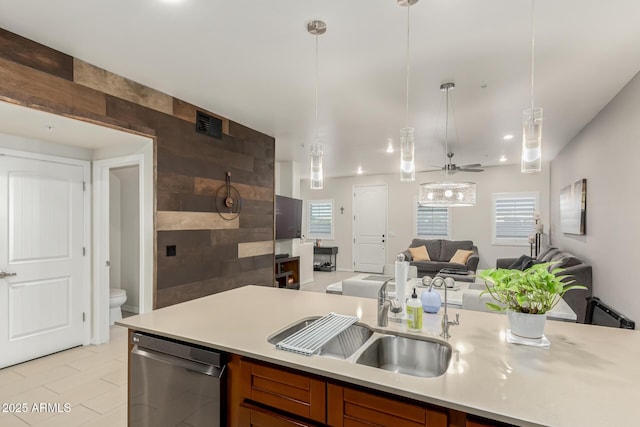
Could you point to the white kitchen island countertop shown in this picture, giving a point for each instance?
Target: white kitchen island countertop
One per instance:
(590, 375)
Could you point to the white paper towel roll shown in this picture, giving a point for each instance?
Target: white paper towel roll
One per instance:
(402, 272)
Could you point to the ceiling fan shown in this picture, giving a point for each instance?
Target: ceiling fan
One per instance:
(453, 168)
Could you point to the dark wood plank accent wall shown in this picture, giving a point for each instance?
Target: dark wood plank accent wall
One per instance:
(212, 255)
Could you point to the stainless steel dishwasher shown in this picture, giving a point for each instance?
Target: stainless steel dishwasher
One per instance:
(175, 384)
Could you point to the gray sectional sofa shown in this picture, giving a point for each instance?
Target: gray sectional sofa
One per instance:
(581, 272)
(440, 252)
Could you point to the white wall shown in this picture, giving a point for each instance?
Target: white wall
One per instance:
(124, 233)
(468, 223)
(606, 153)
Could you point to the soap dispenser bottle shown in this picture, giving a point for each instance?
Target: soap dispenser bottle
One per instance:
(414, 313)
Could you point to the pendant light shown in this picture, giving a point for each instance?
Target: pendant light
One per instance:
(532, 121)
(316, 28)
(447, 193)
(407, 143)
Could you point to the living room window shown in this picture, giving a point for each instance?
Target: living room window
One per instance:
(320, 219)
(430, 221)
(513, 217)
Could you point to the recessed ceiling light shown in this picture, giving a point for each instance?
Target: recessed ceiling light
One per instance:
(503, 158)
(507, 137)
(360, 170)
(390, 146)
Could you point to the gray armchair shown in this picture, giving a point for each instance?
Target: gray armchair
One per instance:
(580, 271)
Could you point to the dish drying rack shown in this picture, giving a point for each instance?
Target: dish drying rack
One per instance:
(312, 337)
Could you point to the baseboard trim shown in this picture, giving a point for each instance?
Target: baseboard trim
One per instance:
(131, 309)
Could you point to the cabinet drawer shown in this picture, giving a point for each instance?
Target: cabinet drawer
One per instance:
(291, 392)
(349, 407)
(254, 416)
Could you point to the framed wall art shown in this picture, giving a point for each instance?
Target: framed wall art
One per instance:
(573, 208)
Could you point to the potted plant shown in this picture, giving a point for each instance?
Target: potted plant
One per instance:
(527, 295)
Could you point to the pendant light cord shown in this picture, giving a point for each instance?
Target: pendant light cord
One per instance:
(316, 138)
(532, 50)
(407, 65)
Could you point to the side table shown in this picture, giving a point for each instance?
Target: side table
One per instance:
(323, 251)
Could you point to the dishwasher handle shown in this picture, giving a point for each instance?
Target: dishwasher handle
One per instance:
(175, 348)
(197, 367)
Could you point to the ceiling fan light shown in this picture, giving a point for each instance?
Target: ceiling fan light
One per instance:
(531, 141)
(407, 161)
(441, 194)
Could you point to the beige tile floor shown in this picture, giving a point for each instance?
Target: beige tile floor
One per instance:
(92, 379)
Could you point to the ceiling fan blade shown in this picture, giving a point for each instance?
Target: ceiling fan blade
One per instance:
(470, 170)
(475, 165)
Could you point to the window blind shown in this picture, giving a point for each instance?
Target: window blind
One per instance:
(514, 217)
(432, 221)
(320, 219)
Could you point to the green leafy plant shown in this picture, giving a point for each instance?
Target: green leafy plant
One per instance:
(535, 290)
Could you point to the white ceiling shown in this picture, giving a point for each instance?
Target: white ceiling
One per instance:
(40, 125)
(254, 62)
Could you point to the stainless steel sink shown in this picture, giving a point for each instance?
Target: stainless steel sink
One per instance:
(340, 347)
(420, 358)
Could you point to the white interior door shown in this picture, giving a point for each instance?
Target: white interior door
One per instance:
(41, 246)
(369, 228)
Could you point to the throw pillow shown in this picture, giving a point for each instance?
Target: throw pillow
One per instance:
(522, 263)
(420, 253)
(461, 256)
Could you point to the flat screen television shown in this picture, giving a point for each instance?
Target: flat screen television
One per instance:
(288, 218)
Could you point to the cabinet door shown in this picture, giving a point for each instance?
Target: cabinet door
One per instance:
(347, 407)
(295, 393)
(253, 416)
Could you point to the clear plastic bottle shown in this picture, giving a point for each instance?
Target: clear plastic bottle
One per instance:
(414, 313)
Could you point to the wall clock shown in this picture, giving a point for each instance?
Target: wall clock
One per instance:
(228, 200)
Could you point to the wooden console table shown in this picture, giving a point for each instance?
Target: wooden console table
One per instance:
(332, 251)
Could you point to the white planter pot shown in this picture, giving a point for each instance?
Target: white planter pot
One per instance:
(526, 325)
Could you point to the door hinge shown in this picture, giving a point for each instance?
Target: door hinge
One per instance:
(84, 319)
(84, 186)
(354, 240)
(354, 217)
(84, 251)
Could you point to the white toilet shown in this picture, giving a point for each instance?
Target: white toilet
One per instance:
(117, 297)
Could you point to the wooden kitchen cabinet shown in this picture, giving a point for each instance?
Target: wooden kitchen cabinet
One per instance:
(348, 407)
(292, 392)
(265, 395)
(255, 416)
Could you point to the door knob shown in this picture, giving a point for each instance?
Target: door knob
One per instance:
(4, 274)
